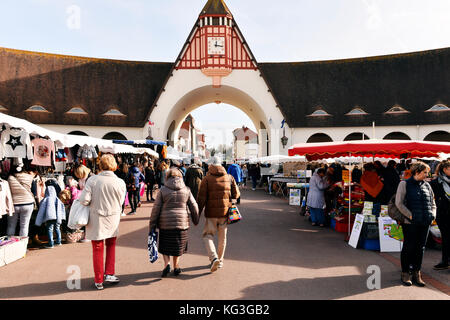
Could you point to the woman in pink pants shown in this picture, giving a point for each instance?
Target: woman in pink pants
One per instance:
(104, 194)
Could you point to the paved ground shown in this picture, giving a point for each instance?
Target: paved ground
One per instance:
(272, 254)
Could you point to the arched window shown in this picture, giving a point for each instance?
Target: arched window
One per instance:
(396, 110)
(356, 112)
(356, 136)
(397, 136)
(113, 112)
(77, 110)
(37, 108)
(79, 133)
(114, 136)
(438, 108)
(441, 136)
(319, 137)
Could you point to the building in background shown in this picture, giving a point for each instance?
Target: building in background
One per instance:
(245, 144)
(191, 140)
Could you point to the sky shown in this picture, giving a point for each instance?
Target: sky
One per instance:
(276, 31)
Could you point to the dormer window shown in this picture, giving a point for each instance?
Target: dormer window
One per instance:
(2, 108)
(397, 109)
(76, 110)
(114, 112)
(37, 108)
(438, 108)
(356, 112)
(319, 113)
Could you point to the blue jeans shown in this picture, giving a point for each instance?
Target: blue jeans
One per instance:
(53, 225)
(317, 215)
(22, 214)
(254, 181)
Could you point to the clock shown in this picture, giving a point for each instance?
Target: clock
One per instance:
(216, 45)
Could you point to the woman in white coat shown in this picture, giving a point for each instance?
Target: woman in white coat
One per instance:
(104, 194)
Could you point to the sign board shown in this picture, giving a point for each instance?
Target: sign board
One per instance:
(356, 231)
(346, 176)
(391, 235)
(294, 197)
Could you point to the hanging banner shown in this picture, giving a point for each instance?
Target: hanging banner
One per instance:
(294, 197)
(356, 231)
(346, 176)
(391, 235)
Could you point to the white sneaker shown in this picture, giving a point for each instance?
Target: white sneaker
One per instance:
(111, 279)
(220, 265)
(214, 265)
(123, 214)
(99, 286)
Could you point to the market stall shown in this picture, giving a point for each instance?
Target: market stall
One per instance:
(367, 149)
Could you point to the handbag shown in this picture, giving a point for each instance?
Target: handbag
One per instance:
(78, 215)
(153, 245)
(394, 213)
(234, 215)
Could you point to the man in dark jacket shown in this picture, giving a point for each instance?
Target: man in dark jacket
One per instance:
(134, 178)
(194, 176)
(150, 180)
(217, 192)
(391, 179)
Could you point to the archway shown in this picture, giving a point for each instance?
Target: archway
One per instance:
(319, 137)
(356, 136)
(114, 136)
(397, 136)
(225, 95)
(79, 133)
(441, 136)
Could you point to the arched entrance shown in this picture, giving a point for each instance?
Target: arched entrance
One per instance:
(356, 136)
(79, 133)
(319, 137)
(441, 136)
(171, 119)
(114, 136)
(397, 136)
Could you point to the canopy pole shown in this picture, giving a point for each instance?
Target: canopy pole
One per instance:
(349, 194)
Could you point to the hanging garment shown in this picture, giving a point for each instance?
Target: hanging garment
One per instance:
(87, 152)
(61, 155)
(44, 152)
(6, 201)
(15, 143)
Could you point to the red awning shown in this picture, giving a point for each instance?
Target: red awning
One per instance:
(370, 148)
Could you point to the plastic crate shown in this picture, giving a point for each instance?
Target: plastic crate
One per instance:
(370, 244)
(370, 231)
(13, 251)
(343, 226)
(333, 224)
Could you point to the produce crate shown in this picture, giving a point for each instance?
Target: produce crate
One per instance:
(370, 244)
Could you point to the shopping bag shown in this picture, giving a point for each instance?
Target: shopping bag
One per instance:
(153, 246)
(78, 215)
(234, 215)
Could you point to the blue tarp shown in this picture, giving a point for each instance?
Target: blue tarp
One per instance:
(140, 142)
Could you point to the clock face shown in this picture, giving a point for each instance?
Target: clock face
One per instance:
(216, 45)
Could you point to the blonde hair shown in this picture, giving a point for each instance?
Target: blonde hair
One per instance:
(82, 172)
(108, 163)
(173, 173)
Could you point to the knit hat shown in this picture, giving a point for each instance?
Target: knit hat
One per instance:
(215, 161)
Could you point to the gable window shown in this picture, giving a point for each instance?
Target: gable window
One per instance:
(114, 112)
(356, 111)
(77, 110)
(319, 113)
(438, 107)
(37, 108)
(397, 109)
(2, 108)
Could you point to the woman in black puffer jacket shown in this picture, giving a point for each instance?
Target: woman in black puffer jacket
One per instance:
(441, 189)
(415, 200)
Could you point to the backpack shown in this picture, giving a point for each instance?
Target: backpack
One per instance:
(131, 182)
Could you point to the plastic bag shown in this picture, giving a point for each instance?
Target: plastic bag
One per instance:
(153, 246)
(78, 216)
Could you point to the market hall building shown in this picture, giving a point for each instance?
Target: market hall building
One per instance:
(406, 96)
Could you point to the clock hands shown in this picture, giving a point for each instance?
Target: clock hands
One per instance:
(216, 45)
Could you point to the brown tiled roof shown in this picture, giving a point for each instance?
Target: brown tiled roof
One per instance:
(415, 81)
(59, 83)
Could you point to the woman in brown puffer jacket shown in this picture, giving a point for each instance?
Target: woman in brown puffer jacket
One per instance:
(171, 216)
(217, 191)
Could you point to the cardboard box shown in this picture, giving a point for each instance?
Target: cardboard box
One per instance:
(13, 251)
